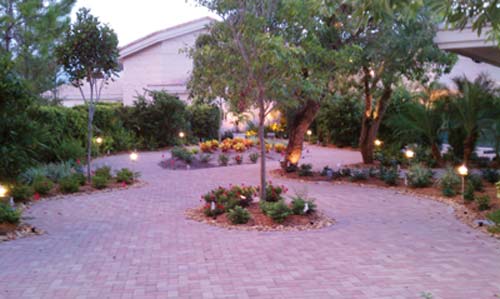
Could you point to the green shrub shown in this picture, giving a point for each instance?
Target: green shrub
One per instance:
(80, 177)
(53, 171)
(254, 157)
(22, 136)
(205, 158)
(228, 198)
(278, 211)
(469, 193)
(449, 182)
(358, 175)
(42, 185)
(476, 181)
(419, 176)
(299, 204)
(183, 154)
(9, 214)
(22, 192)
(223, 159)
(70, 149)
(389, 175)
(305, 170)
(274, 193)
(483, 202)
(491, 175)
(103, 171)
(125, 175)
(495, 218)
(69, 184)
(207, 210)
(100, 181)
(156, 119)
(205, 121)
(238, 215)
(339, 120)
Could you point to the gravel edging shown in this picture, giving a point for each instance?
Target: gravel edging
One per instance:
(322, 221)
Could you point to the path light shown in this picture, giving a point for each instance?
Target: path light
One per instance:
(98, 140)
(133, 156)
(182, 134)
(463, 172)
(377, 142)
(409, 154)
(309, 132)
(3, 191)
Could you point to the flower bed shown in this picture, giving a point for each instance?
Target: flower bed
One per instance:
(234, 207)
(211, 153)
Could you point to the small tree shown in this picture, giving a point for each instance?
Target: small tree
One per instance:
(243, 60)
(89, 55)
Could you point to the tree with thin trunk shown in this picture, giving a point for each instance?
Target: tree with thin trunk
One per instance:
(244, 60)
(89, 55)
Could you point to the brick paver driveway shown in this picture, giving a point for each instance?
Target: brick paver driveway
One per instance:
(136, 243)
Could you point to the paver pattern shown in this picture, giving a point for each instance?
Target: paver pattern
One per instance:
(136, 243)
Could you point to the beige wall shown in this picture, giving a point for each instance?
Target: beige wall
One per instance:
(469, 68)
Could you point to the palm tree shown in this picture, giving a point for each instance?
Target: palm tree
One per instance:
(421, 119)
(473, 109)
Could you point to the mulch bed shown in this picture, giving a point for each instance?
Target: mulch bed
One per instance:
(261, 222)
(466, 212)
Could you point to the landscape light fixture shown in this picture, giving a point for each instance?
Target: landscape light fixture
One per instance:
(409, 154)
(98, 140)
(3, 191)
(133, 156)
(377, 142)
(182, 134)
(463, 172)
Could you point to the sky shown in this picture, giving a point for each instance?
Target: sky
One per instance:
(133, 19)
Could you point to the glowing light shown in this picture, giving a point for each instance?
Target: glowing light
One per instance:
(3, 191)
(98, 140)
(377, 142)
(182, 134)
(409, 153)
(462, 170)
(309, 132)
(134, 156)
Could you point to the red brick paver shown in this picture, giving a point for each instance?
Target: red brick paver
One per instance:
(136, 243)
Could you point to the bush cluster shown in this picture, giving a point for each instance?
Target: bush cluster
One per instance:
(419, 176)
(9, 214)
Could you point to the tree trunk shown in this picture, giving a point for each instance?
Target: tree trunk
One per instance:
(371, 122)
(469, 145)
(436, 153)
(299, 126)
(262, 141)
(89, 132)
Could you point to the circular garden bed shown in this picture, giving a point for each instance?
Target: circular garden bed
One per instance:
(234, 208)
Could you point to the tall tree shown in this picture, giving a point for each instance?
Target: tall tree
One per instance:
(243, 60)
(31, 30)
(384, 52)
(89, 54)
(472, 109)
(422, 118)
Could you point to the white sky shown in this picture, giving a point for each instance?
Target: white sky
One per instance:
(133, 19)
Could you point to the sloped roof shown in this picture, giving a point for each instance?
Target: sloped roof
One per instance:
(165, 34)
